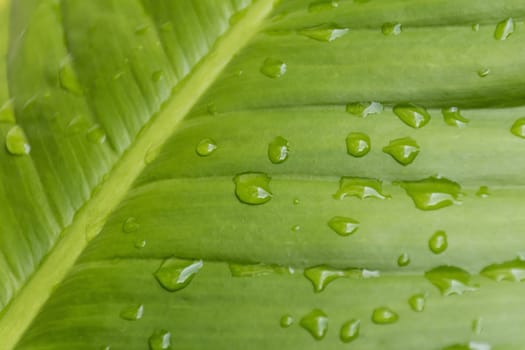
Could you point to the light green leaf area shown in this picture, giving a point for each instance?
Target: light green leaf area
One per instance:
(190, 183)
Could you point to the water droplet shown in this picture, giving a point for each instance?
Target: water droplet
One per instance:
(518, 128)
(296, 201)
(67, 77)
(157, 76)
(205, 147)
(296, 228)
(16, 141)
(343, 226)
(324, 5)
(350, 330)
(141, 243)
(483, 192)
(384, 315)
(324, 32)
(278, 150)
(504, 29)
(160, 340)
(438, 242)
(360, 187)
(477, 326)
(322, 275)
(273, 68)
(7, 113)
(357, 144)
(417, 302)
(403, 150)
(412, 115)
(286, 321)
(316, 323)
(475, 27)
(452, 116)
(483, 72)
(513, 270)
(363, 109)
(96, 134)
(130, 225)
(391, 28)
(118, 75)
(469, 346)
(255, 270)
(432, 193)
(450, 280)
(403, 260)
(141, 29)
(132, 313)
(253, 188)
(175, 274)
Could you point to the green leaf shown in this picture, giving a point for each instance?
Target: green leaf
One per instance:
(179, 174)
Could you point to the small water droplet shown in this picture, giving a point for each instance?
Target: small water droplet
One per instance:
(432, 193)
(417, 302)
(323, 5)
(322, 275)
(384, 315)
(141, 243)
(255, 270)
(343, 226)
(278, 150)
(483, 192)
(175, 274)
(253, 188)
(157, 76)
(404, 150)
(391, 28)
(350, 330)
(16, 141)
(513, 271)
(67, 77)
(452, 116)
(205, 147)
(450, 280)
(316, 323)
(477, 326)
(504, 29)
(357, 144)
(438, 242)
(296, 228)
(273, 68)
(141, 29)
(130, 225)
(469, 346)
(96, 135)
(483, 72)
(7, 113)
(296, 201)
(518, 128)
(412, 115)
(475, 27)
(132, 313)
(360, 187)
(324, 32)
(364, 109)
(403, 260)
(160, 340)
(286, 321)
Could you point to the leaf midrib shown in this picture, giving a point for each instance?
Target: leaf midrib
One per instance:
(91, 217)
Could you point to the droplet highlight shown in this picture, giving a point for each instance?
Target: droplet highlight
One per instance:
(343, 226)
(273, 68)
(253, 188)
(358, 144)
(404, 150)
(175, 274)
(432, 193)
(206, 147)
(412, 115)
(384, 315)
(360, 187)
(452, 116)
(450, 280)
(278, 150)
(160, 340)
(16, 142)
(316, 323)
(438, 242)
(391, 28)
(483, 192)
(350, 330)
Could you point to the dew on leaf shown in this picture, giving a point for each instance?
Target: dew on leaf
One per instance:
(357, 144)
(324, 32)
(350, 330)
(469, 346)
(403, 260)
(360, 187)
(175, 274)
(130, 225)
(132, 313)
(364, 109)
(417, 302)
(16, 141)
(273, 68)
(157, 76)
(384, 315)
(278, 150)
(322, 275)
(252, 188)
(96, 134)
(452, 116)
(404, 150)
(504, 29)
(432, 193)
(391, 28)
(343, 226)
(450, 280)
(412, 115)
(518, 128)
(477, 325)
(141, 243)
(323, 5)
(475, 27)
(483, 72)
(483, 192)
(438, 242)
(67, 77)
(160, 340)
(316, 323)
(513, 271)
(205, 147)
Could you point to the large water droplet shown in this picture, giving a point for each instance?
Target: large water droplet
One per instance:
(404, 150)
(391, 28)
(323, 5)
(175, 274)
(132, 313)
(363, 109)
(253, 188)
(322, 275)
(96, 134)
(316, 323)
(504, 29)
(205, 147)
(403, 260)
(438, 242)
(343, 226)
(357, 144)
(412, 115)
(16, 141)
(286, 321)
(324, 32)
(130, 225)
(450, 280)
(67, 77)
(350, 330)
(7, 113)
(360, 187)
(278, 150)
(452, 116)
(384, 315)
(273, 68)
(255, 270)
(432, 193)
(513, 270)
(160, 340)
(518, 128)
(417, 302)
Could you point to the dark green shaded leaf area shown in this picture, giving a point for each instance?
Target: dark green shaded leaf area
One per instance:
(351, 178)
